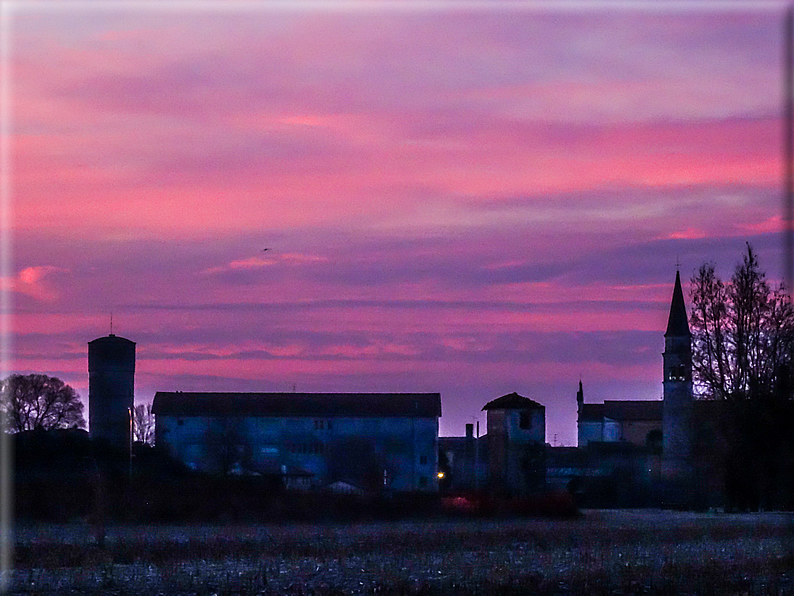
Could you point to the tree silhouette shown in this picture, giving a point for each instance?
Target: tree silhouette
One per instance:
(143, 424)
(37, 401)
(743, 355)
(742, 335)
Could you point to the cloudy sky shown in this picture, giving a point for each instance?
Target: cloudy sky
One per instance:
(455, 198)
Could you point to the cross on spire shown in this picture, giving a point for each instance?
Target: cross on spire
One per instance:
(677, 263)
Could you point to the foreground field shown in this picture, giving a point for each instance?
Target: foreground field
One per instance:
(604, 552)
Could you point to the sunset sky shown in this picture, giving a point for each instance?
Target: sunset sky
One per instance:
(458, 198)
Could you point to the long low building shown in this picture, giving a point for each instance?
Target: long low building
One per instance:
(366, 440)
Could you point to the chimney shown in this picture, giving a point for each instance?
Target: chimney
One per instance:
(469, 431)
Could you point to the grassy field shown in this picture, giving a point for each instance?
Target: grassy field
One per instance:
(603, 552)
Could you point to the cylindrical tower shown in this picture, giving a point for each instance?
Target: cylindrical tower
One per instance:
(111, 384)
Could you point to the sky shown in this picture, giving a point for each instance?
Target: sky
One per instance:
(454, 198)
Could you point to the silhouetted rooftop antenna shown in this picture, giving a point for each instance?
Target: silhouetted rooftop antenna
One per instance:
(111, 322)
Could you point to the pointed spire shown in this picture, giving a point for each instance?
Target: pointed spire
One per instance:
(677, 324)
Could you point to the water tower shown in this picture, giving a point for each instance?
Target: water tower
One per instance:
(111, 384)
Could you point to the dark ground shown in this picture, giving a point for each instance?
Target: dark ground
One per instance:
(603, 552)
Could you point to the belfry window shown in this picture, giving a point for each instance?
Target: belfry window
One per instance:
(678, 373)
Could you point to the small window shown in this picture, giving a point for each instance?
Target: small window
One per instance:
(525, 420)
(678, 373)
(180, 422)
(423, 481)
(423, 459)
(328, 425)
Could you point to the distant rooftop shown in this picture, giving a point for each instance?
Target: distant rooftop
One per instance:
(622, 410)
(348, 405)
(111, 339)
(512, 401)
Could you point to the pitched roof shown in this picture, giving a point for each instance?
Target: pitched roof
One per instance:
(349, 405)
(512, 401)
(591, 413)
(634, 410)
(677, 324)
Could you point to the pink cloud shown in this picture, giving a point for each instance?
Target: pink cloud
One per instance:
(235, 118)
(492, 165)
(688, 234)
(32, 282)
(302, 258)
(769, 225)
(259, 262)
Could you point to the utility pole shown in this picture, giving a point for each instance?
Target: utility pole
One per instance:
(477, 460)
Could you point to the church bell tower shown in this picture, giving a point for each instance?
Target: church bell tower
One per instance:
(678, 398)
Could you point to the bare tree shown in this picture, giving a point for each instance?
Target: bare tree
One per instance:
(143, 424)
(40, 402)
(710, 327)
(743, 355)
(743, 334)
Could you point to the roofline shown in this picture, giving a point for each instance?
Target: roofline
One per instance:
(210, 403)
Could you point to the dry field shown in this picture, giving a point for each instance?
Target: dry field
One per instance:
(603, 552)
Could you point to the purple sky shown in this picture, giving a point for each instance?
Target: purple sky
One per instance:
(458, 199)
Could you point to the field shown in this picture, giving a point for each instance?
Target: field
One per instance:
(602, 552)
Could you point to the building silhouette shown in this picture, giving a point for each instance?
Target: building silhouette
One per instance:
(672, 452)
(677, 411)
(641, 451)
(111, 390)
(630, 452)
(354, 441)
(516, 445)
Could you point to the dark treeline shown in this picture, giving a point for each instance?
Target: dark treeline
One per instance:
(61, 475)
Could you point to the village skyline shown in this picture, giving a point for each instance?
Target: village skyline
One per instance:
(434, 198)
